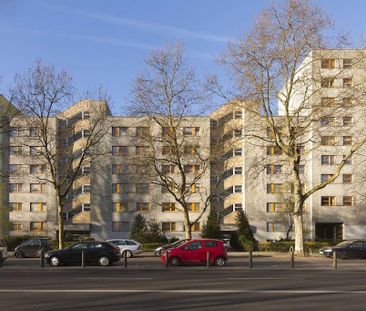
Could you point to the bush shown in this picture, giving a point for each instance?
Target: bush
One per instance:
(211, 229)
(154, 234)
(284, 246)
(244, 233)
(139, 229)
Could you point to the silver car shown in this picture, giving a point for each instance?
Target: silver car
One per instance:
(3, 250)
(128, 248)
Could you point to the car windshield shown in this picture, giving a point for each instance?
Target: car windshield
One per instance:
(344, 244)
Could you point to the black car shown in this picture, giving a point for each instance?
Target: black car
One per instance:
(32, 247)
(102, 253)
(346, 249)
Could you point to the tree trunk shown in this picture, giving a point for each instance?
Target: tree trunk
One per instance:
(60, 221)
(187, 225)
(299, 235)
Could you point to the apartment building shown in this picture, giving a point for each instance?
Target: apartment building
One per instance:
(244, 173)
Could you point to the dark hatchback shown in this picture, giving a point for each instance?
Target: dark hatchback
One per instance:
(346, 249)
(101, 253)
(32, 247)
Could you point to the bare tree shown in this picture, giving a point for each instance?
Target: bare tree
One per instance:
(61, 141)
(177, 156)
(279, 66)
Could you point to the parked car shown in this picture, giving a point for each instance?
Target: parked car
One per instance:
(102, 253)
(195, 252)
(127, 247)
(158, 250)
(3, 250)
(346, 249)
(32, 247)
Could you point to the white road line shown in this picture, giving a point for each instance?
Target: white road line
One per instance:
(182, 291)
(110, 278)
(265, 278)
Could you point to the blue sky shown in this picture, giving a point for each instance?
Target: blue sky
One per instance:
(106, 42)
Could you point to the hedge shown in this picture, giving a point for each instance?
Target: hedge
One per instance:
(284, 246)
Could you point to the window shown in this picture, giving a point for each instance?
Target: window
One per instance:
(347, 63)
(327, 82)
(15, 150)
(193, 207)
(36, 188)
(35, 150)
(327, 121)
(119, 131)
(167, 132)
(38, 206)
(238, 152)
(238, 114)
(120, 226)
(275, 188)
(347, 121)
(191, 131)
(86, 207)
(237, 188)
(14, 168)
(276, 227)
(347, 201)
(275, 207)
(142, 188)
(328, 201)
(142, 131)
(13, 132)
(168, 207)
(237, 133)
(191, 168)
(348, 161)
(347, 140)
(167, 168)
(85, 188)
(17, 226)
(301, 169)
(328, 140)
(237, 206)
(273, 150)
(86, 133)
(191, 150)
(121, 188)
(85, 114)
(118, 169)
(119, 150)
(143, 206)
(237, 170)
(325, 177)
(37, 168)
(196, 227)
(210, 244)
(347, 178)
(85, 170)
(36, 226)
(274, 169)
(194, 245)
(15, 206)
(168, 226)
(195, 188)
(15, 187)
(328, 63)
(142, 150)
(120, 207)
(165, 150)
(327, 159)
(33, 132)
(347, 82)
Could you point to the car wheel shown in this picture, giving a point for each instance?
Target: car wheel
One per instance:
(19, 254)
(55, 261)
(340, 254)
(103, 261)
(220, 262)
(128, 254)
(174, 261)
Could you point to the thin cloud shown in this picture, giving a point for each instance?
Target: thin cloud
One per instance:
(144, 25)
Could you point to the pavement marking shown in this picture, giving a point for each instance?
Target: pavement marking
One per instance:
(110, 278)
(182, 291)
(265, 278)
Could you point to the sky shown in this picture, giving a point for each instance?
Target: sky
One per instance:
(105, 42)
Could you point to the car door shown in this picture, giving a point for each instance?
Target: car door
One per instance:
(363, 250)
(192, 253)
(28, 247)
(93, 252)
(354, 250)
(74, 254)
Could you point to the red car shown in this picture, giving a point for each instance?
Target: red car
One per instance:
(195, 252)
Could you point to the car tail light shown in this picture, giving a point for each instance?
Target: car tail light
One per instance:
(115, 250)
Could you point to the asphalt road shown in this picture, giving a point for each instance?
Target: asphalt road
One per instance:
(147, 285)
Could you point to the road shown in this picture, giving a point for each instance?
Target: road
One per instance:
(146, 285)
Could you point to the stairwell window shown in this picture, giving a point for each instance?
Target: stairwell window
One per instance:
(85, 114)
(238, 189)
(86, 207)
(238, 114)
(237, 206)
(86, 188)
(237, 170)
(238, 152)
